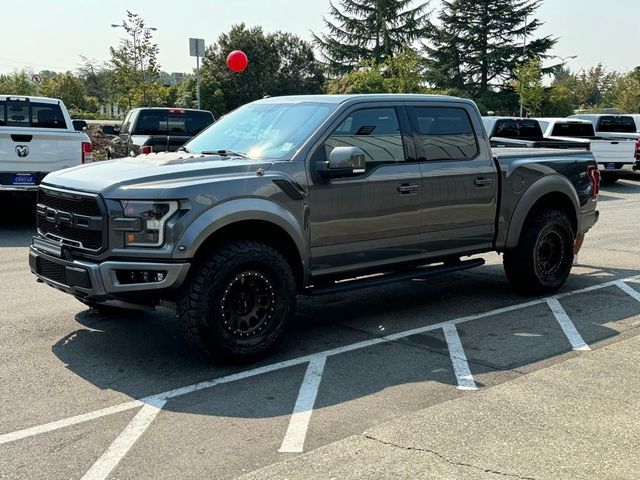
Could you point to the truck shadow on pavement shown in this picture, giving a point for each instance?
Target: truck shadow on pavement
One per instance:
(143, 354)
(17, 222)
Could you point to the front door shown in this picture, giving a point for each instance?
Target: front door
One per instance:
(372, 218)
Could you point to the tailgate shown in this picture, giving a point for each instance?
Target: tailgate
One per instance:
(618, 151)
(38, 149)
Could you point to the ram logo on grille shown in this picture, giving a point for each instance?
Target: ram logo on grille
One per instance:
(22, 151)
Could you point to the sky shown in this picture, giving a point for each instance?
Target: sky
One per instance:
(52, 35)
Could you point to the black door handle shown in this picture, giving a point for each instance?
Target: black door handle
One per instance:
(483, 182)
(408, 188)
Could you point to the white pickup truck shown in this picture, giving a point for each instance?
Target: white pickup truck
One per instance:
(614, 155)
(37, 137)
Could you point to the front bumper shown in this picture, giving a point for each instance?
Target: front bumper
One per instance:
(99, 281)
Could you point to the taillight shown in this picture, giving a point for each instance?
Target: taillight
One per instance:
(87, 152)
(146, 149)
(638, 144)
(594, 177)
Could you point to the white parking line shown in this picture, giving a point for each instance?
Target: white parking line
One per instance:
(177, 392)
(66, 422)
(458, 358)
(569, 329)
(121, 445)
(627, 289)
(294, 438)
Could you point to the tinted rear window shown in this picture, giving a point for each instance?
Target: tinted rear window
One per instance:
(445, 133)
(171, 122)
(511, 128)
(23, 113)
(617, 124)
(573, 130)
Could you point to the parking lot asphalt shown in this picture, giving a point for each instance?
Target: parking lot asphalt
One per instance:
(89, 396)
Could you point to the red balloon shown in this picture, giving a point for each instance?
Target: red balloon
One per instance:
(237, 61)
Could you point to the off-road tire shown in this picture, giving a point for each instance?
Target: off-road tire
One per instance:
(238, 301)
(543, 258)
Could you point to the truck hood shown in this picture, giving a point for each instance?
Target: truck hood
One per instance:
(147, 176)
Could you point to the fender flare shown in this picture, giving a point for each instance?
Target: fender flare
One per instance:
(544, 186)
(234, 211)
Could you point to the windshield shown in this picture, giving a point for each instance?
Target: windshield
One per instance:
(262, 131)
(172, 122)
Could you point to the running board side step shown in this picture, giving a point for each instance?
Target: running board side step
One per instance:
(377, 280)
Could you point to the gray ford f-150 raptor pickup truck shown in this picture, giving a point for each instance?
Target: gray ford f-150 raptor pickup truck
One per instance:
(308, 195)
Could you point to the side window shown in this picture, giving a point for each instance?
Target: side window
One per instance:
(445, 133)
(374, 130)
(3, 114)
(126, 124)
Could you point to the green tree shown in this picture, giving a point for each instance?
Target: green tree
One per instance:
(135, 66)
(370, 30)
(558, 101)
(528, 84)
(17, 83)
(626, 91)
(279, 64)
(593, 88)
(478, 43)
(400, 74)
(68, 88)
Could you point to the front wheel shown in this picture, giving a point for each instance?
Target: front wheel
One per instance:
(238, 302)
(543, 258)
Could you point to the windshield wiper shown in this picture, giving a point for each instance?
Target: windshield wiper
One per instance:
(224, 153)
(182, 149)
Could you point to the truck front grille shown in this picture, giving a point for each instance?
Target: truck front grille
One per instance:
(75, 220)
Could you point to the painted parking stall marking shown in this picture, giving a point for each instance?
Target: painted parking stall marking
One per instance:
(458, 358)
(294, 438)
(569, 329)
(301, 415)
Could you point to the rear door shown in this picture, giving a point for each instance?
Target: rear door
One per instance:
(34, 140)
(459, 178)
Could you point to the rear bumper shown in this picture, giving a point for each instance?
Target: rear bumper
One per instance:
(99, 282)
(618, 167)
(588, 221)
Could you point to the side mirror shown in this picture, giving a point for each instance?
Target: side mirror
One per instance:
(79, 125)
(344, 161)
(110, 130)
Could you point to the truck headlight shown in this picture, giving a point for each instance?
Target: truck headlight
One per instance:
(152, 215)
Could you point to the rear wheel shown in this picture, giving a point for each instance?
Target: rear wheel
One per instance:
(239, 301)
(543, 258)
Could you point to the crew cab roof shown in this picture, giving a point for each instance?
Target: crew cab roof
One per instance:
(339, 99)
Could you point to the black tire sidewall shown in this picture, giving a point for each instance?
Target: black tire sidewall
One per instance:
(216, 337)
(561, 226)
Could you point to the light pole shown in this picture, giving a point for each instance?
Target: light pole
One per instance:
(134, 32)
(524, 58)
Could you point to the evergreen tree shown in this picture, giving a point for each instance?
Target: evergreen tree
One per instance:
(478, 44)
(370, 30)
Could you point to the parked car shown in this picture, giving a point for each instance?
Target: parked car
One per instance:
(37, 137)
(332, 193)
(525, 133)
(614, 126)
(146, 130)
(615, 156)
